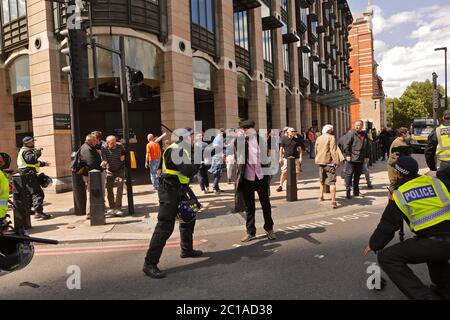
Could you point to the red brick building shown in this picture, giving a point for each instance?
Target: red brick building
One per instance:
(366, 84)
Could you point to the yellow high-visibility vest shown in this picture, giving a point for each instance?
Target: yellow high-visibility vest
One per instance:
(21, 163)
(443, 148)
(183, 179)
(4, 194)
(425, 201)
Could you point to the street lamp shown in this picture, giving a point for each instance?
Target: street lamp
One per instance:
(446, 84)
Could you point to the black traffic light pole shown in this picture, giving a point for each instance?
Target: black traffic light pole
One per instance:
(435, 87)
(126, 130)
(124, 99)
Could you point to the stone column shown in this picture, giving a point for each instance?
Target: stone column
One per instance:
(177, 89)
(225, 98)
(7, 122)
(279, 93)
(257, 103)
(295, 107)
(49, 94)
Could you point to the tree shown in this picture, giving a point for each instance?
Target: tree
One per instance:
(415, 102)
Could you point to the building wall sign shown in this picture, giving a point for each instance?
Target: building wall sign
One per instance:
(61, 121)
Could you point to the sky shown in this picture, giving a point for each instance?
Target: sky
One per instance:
(406, 32)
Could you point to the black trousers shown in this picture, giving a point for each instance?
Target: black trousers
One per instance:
(203, 178)
(262, 188)
(353, 171)
(169, 199)
(394, 261)
(35, 191)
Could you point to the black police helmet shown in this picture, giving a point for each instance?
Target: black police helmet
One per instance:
(15, 254)
(6, 160)
(45, 181)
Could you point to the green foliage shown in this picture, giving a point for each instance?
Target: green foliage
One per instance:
(416, 102)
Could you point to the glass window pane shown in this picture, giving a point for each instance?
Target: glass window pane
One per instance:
(22, 8)
(5, 9)
(210, 15)
(202, 7)
(13, 9)
(194, 11)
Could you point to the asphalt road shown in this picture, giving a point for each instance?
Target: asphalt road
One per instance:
(317, 259)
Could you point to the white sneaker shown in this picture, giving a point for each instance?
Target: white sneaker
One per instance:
(204, 192)
(111, 211)
(119, 213)
(207, 190)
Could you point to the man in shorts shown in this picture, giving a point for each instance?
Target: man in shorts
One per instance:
(290, 147)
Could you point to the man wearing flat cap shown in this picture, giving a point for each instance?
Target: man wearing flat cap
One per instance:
(424, 203)
(439, 145)
(251, 179)
(30, 165)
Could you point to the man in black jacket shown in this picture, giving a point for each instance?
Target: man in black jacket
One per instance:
(356, 153)
(432, 242)
(430, 150)
(90, 159)
(178, 169)
(29, 166)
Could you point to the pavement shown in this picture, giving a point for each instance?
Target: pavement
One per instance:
(217, 215)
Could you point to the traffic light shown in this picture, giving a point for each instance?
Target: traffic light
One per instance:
(436, 99)
(135, 79)
(77, 53)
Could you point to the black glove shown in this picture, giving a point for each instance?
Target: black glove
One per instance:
(5, 224)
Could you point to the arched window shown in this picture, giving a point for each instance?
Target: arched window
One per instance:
(19, 75)
(204, 74)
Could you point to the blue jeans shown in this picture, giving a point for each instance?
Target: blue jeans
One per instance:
(154, 165)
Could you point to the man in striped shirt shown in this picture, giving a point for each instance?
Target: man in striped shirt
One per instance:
(113, 156)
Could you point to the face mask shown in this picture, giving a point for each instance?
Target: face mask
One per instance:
(408, 139)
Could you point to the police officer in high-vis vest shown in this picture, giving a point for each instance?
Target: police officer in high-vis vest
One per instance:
(5, 161)
(29, 164)
(438, 147)
(178, 169)
(424, 203)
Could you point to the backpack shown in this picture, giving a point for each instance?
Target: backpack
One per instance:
(77, 166)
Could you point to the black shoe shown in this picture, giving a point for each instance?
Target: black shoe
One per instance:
(42, 216)
(370, 187)
(349, 194)
(356, 193)
(153, 271)
(191, 254)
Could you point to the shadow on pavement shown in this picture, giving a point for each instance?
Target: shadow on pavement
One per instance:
(255, 250)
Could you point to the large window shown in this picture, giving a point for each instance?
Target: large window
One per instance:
(268, 46)
(286, 58)
(268, 54)
(305, 65)
(241, 39)
(203, 25)
(202, 13)
(13, 25)
(13, 9)
(315, 67)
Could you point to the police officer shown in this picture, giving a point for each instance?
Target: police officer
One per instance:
(29, 165)
(424, 203)
(5, 161)
(439, 145)
(177, 172)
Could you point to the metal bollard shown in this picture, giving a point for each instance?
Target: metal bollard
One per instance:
(22, 202)
(96, 198)
(291, 194)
